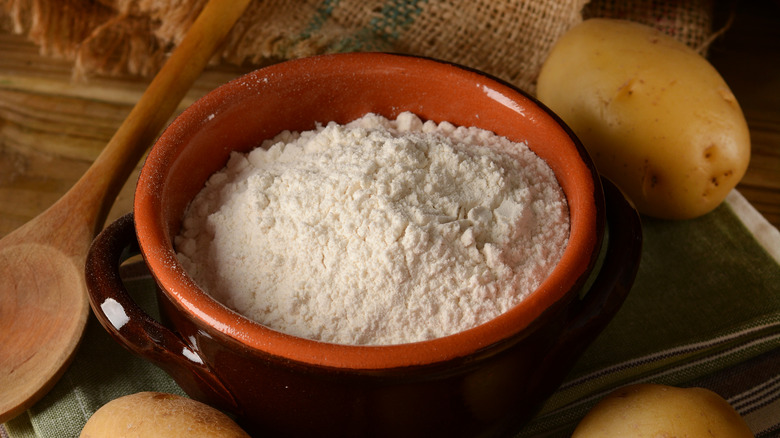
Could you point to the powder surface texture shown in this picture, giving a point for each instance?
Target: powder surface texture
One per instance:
(376, 232)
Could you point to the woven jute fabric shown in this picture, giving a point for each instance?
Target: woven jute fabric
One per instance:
(506, 38)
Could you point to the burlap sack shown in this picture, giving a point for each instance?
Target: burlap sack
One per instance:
(509, 39)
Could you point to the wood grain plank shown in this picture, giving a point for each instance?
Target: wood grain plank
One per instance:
(52, 127)
(748, 58)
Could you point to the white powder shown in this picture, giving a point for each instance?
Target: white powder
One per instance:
(376, 232)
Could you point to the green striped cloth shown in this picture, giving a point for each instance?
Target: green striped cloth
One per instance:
(705, 311)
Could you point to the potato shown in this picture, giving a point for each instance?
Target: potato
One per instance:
(654, 115)
(154, 414)
(651, 410)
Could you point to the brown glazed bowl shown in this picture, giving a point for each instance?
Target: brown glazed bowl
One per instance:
(488, 380)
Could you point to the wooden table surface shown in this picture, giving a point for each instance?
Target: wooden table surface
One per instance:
(748, 58)
(51, 128)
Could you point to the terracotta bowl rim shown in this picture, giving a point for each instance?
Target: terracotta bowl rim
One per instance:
(231, 327)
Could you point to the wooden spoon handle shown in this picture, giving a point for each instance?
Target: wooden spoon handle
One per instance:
(102, 182)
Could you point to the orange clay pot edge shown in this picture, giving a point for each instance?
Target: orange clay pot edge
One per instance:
(573, 174)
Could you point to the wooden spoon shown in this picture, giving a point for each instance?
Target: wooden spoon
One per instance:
(43, 298)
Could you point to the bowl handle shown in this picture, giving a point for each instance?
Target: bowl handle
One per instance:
(133, 328)
(608, 290)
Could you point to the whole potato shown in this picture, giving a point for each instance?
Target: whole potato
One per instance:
(651, 411)
(655, 116)
(155, 414)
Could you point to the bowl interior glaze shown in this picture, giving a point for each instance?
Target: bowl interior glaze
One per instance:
(296, 95)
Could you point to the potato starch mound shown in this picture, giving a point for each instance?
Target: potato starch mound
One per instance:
(376, 232)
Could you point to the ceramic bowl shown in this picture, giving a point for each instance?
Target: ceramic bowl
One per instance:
(488, 380)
